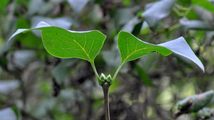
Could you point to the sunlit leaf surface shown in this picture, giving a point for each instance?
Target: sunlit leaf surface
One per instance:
(64, 43)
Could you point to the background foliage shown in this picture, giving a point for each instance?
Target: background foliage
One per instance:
(36, 86)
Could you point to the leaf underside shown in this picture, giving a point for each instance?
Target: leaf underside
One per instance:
(132, 48)
(64, 43)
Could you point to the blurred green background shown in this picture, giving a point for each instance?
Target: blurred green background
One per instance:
(37, 86)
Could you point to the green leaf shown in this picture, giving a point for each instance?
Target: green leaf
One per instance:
(132, 48)
(64, 43)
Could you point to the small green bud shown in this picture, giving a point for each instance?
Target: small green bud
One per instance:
(105, 79)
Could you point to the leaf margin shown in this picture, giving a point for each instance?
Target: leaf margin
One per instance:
(196, 60)
(42, 25)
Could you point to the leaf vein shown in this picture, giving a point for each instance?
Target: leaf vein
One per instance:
(83, 49)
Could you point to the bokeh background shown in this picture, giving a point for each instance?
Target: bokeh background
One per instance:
(37, 86)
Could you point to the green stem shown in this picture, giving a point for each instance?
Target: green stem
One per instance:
(117, 71)
(94, 69)
(106, 100)
(105, 87)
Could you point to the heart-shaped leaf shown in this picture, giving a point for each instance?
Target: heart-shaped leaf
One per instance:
(132, 48)
(64, 43)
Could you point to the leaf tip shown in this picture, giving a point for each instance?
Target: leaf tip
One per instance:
(180, 47)
(197, 61)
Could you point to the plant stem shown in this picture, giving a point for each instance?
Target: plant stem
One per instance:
(117, 71)
(106, 100)
(94, 69)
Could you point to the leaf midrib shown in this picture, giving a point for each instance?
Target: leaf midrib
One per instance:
(83, 49)
(132, 53)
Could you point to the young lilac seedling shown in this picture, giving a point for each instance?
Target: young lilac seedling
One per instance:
(86, 45)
